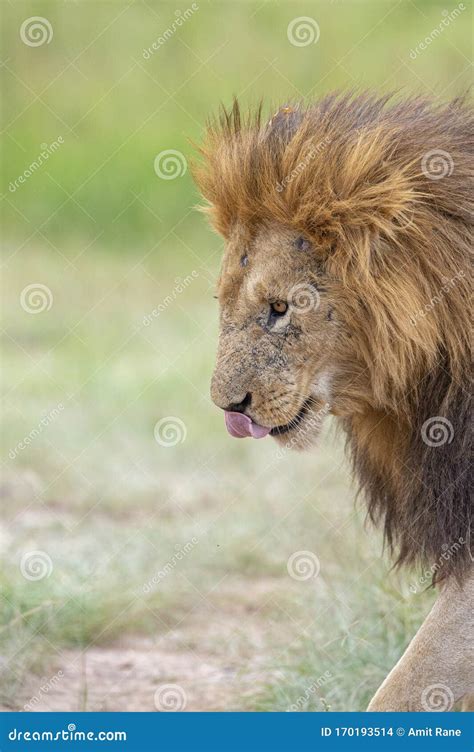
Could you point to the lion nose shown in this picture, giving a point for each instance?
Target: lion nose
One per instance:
(220, 397)
(239, 407)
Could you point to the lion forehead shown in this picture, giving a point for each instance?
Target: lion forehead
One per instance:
(256, 284)
(260, 264)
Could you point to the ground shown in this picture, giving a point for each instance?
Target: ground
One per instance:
(170, 564)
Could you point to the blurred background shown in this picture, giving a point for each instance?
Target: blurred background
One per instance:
(147, 556)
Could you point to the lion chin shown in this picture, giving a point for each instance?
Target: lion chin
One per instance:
(302, 433)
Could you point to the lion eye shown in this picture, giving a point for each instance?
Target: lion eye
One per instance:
(279, 307)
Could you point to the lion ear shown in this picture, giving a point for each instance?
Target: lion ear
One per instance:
(302, 244)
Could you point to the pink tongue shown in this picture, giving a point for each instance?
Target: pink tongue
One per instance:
(240, 426)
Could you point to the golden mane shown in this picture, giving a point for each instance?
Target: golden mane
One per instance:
(382, 188)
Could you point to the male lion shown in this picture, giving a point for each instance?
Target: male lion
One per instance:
(344, 289)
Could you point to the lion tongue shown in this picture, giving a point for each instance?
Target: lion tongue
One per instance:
(240, 426)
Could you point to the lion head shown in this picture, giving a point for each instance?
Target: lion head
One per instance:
(345, 289)
(328, 215)
(277, 357)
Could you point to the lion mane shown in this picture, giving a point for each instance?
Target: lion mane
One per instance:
(382, 188)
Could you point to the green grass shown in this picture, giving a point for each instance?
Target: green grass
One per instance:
(116, 111)
(109, 239)
(110, 506)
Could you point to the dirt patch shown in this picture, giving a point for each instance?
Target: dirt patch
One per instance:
(127, 678)
(216, 660)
